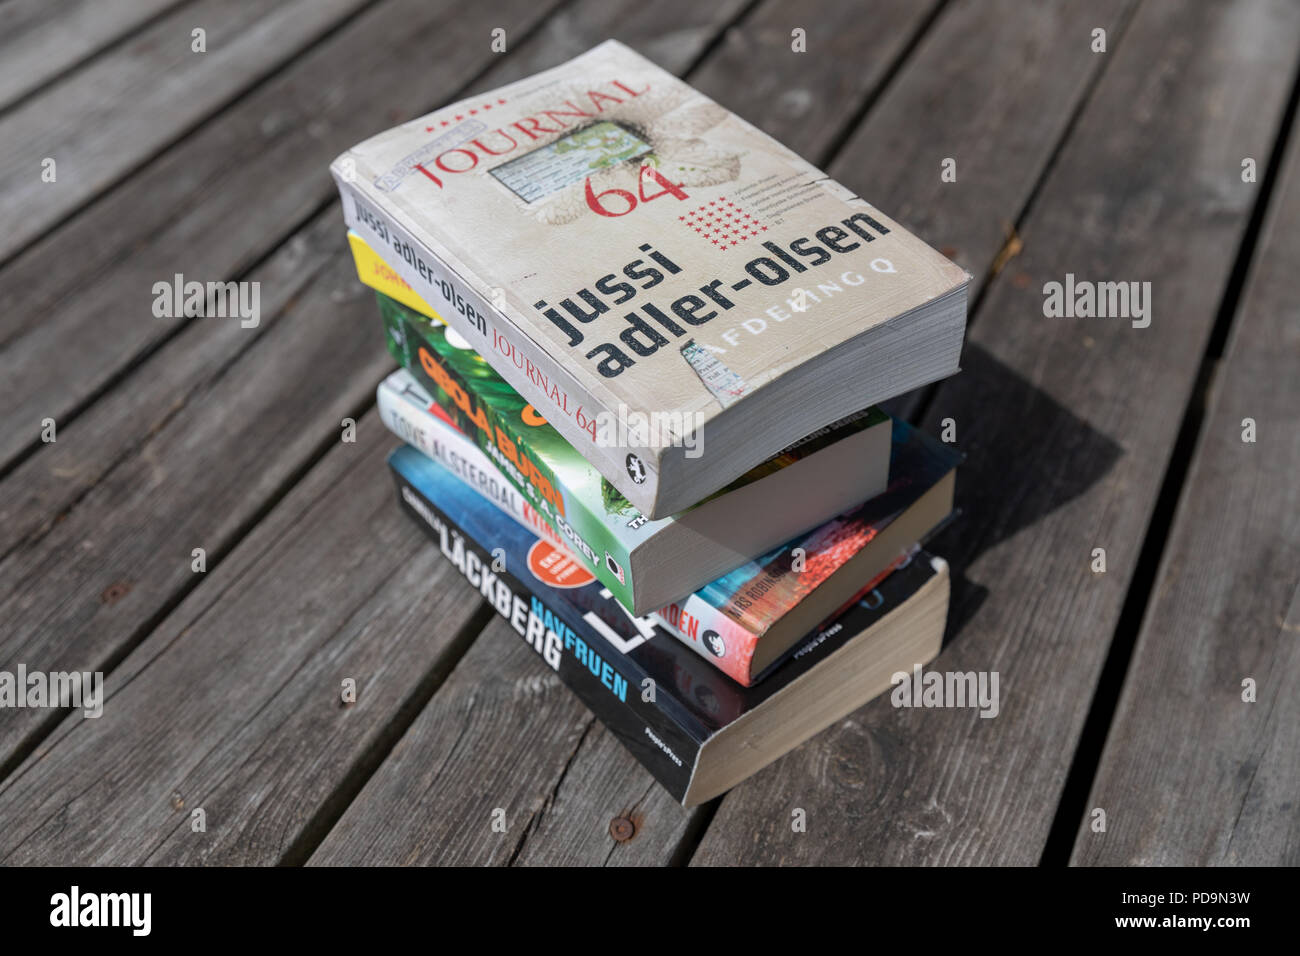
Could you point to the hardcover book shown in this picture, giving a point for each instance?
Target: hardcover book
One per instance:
(646, 563)
(697, 732)
(620, 247)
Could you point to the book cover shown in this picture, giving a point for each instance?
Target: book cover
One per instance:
(583, 508)
(612, 240)
(610, 659)
(410, 413)
(380, 276)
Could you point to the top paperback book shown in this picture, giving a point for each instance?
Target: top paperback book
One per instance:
(648, 270)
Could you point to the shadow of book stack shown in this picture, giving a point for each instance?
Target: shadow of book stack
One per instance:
(670, 476)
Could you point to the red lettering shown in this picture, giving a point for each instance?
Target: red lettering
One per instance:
(630, 92)
(473, 161)
(571, 111)
(596, 96)
(429, 174)
(536, 125)
(492, 152)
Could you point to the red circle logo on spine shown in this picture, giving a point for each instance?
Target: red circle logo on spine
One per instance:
(556, 567)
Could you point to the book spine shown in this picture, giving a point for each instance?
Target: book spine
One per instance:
(380, 276)
(730, 646)
(649, 731)
(568, 405)
(507, 448)
(717, 638)
(458, 454)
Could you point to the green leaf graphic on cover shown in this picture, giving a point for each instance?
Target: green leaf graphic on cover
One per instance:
(493, 414)
(611, 144)
(612, 498)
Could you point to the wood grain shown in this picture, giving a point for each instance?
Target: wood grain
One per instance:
(993, 86)
(1191, 774)
(118, 111)
(41, 39)
(1068, 425)
(76, 306)
(809, 100)
(504, 739)
(192, 472)
(234, 705)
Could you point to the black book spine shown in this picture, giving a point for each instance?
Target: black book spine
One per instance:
(647, 729)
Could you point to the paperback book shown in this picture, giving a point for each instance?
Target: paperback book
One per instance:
(748, 619)
(646, 562)
(615, 244)
(697, 732)
(743, 622)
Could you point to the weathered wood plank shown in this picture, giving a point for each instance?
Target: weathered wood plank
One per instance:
(1069, 425)
(603, 784)
(191, 472)
(808, 100)
(993, 86)
(46, 486)
(234, 705)
(40, 39)
(673, 33)
(110, 117)
(504, 734)
(993, 82)
(75, 309)
(1191, 774)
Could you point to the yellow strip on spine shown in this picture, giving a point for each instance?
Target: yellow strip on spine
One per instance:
(376, 273)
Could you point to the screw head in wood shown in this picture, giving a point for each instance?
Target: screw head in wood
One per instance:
(622, 829)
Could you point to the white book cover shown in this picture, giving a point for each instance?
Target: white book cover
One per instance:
(617, 244)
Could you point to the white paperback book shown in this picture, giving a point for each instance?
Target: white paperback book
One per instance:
(675, 291)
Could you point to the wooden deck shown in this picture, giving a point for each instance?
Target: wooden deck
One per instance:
(1120, 690)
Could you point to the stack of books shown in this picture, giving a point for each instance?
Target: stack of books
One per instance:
(641, 345)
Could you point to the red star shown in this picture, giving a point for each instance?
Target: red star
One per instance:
(714, 241)
(473, 112)
(501, 102)
(487, 106)
(459, 118)
(764, 228)
(723, 246)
